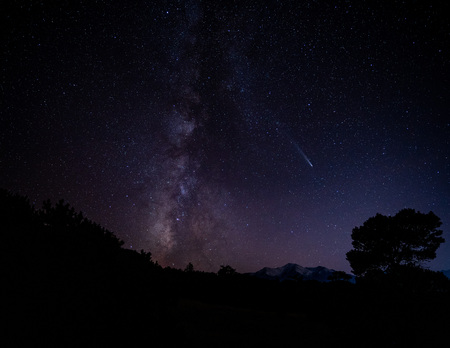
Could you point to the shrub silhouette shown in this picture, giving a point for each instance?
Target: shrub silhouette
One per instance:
(226, 271)
(339, 276)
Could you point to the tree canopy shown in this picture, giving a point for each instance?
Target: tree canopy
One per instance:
(383, 244)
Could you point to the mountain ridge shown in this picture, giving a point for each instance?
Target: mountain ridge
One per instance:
(293, 271)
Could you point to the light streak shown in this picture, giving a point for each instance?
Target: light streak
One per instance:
(301, 153)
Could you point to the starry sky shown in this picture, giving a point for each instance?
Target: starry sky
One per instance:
(246, 133)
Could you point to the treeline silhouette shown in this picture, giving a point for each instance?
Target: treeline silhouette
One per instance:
(69, 282)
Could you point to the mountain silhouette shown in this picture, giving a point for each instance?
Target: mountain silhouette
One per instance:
(292, 271)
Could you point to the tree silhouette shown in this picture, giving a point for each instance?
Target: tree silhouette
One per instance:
(386, 244)
(65, 221)
(189, 267)
(226, 271)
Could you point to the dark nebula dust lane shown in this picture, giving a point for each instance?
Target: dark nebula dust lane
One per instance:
(229, 132)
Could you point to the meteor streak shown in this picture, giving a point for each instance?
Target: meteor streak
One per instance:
(299, 150)
(293, 142)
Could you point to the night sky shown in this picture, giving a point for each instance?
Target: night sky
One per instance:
(246, 133)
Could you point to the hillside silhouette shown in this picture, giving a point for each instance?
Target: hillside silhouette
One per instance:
(69, 282)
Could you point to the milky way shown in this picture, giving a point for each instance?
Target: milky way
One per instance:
(187, 223)
(229, 132)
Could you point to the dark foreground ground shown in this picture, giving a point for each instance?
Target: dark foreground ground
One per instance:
(179, 310)
(316, 315)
